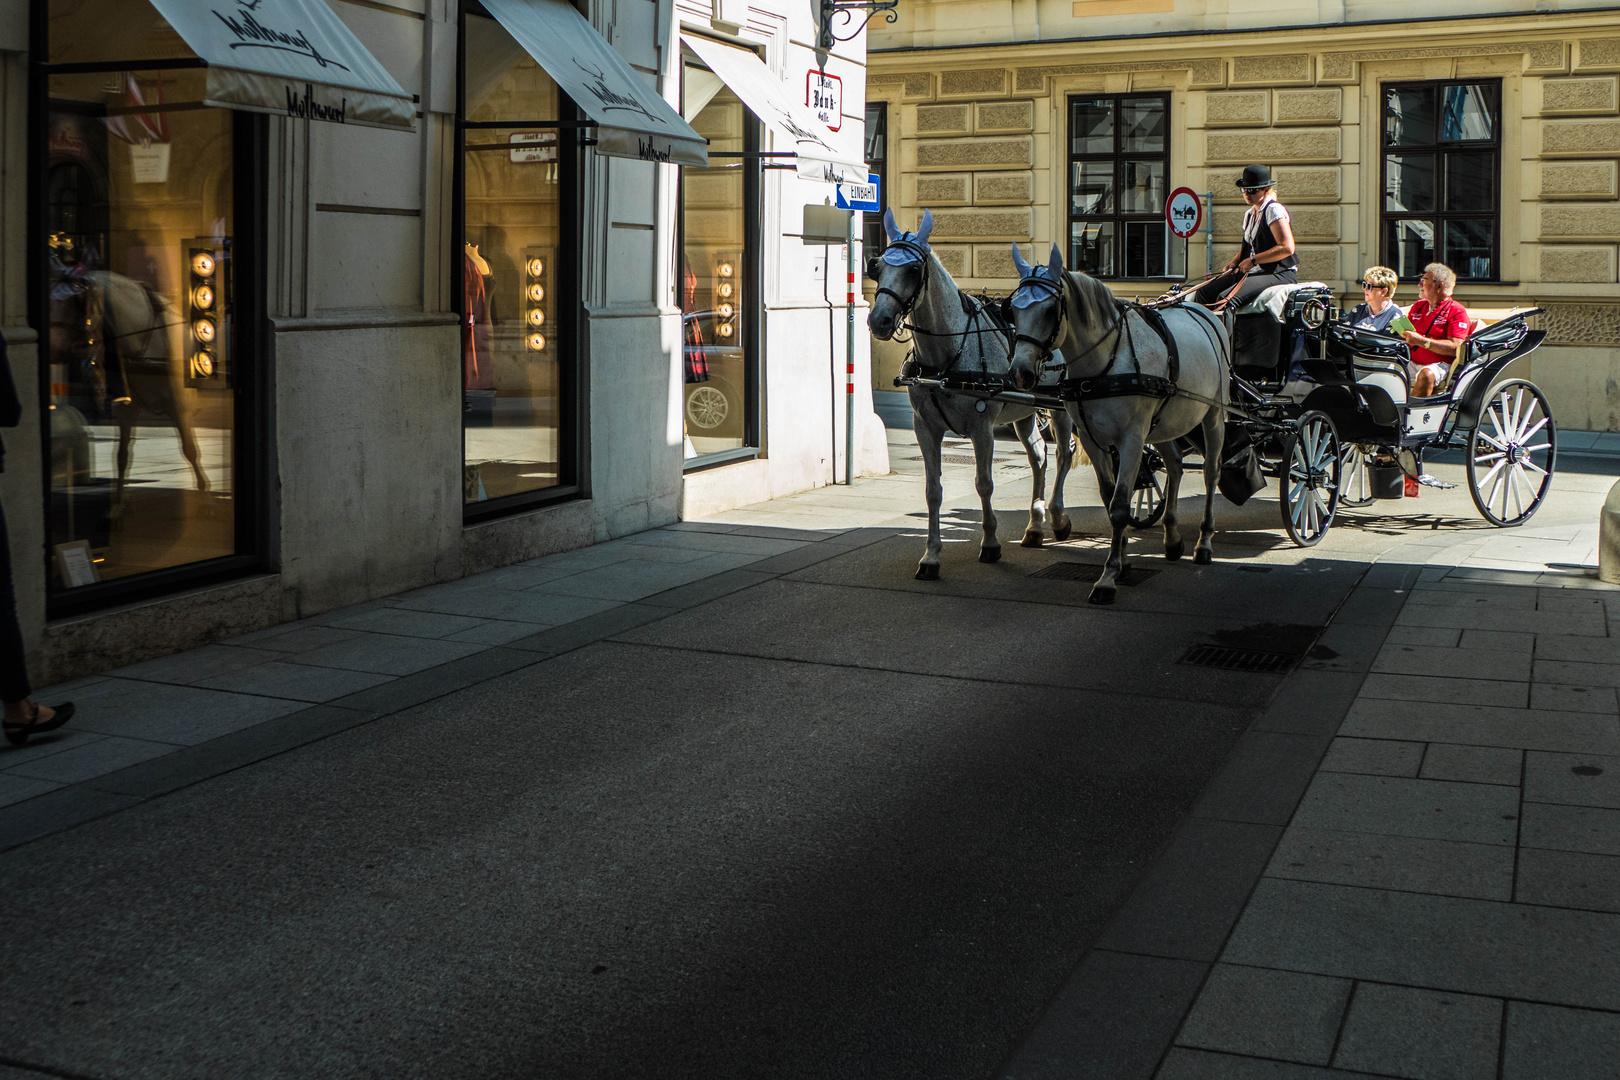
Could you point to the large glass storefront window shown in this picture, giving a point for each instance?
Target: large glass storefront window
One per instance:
(719, 271)
(516, 272)
(147, 350)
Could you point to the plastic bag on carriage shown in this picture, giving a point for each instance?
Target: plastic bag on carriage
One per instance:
(1240, 476)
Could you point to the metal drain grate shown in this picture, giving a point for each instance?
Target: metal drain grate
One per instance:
(966, 459)
(1089, 572)
(1255, 569)
(1228, 659)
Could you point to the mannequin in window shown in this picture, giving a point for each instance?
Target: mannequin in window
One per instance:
(477, 363)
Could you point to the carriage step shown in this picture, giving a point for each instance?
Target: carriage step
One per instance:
(1229, 659)
(1089, 572)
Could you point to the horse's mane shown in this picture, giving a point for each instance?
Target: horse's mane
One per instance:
(1096, 299)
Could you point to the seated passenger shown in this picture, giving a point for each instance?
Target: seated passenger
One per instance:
(1267, 256)
(1377, 308)
(1439, 326)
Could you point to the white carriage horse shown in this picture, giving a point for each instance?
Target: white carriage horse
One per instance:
(1136, 376)
(958, 341)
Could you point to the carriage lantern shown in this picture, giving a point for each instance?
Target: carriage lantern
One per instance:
(534, 297)
(205, 262)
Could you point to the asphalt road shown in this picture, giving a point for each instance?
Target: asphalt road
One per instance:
(840, 824)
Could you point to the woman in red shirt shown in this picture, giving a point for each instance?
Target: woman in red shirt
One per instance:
(1439, 326)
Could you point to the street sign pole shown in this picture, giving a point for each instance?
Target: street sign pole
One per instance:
(849, 359)
(1209, 235)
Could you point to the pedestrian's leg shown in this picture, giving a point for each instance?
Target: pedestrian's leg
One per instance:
(22, 717)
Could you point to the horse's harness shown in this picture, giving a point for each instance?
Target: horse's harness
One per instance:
(973, 309)
(1109, 383)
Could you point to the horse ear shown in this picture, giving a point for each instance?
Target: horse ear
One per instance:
(1055, 264)
(926, 227)
(1023, 267)
(888, 225)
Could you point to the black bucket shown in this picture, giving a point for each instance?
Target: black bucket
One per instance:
(1386, 481)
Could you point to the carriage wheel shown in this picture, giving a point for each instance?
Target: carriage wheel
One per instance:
(1311, 470)
(1510, 454)
(1147, 501)
(1355, 481)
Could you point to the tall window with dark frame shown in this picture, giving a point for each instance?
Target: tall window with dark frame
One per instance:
(1441, 177)
(1119, 168)
(147, 213)
(877, 160)
(516, 275)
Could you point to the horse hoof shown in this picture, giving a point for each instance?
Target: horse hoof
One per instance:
(1061, 532)
(1172, 552)
(990, 554)
(1203, 556)
(1101, 594)
(928, 571)
(1031, 539)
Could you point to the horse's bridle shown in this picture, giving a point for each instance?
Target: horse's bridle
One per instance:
(1056, 290)
(921, 252)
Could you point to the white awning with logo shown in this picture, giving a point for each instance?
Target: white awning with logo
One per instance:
(288, 57)
(632, 121)
(820, 155)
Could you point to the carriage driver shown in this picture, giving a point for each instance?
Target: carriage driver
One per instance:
(1267, 257)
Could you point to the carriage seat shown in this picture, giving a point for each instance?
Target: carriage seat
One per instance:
(1264, 332)
(1275, 299)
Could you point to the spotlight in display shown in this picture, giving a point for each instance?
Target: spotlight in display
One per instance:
(725, 311)
(534, 298)
(202, 264)
(208, 294)
(204, 362)
(204, 329)
(203, 298)
(537, 317)
(537, 342)
(725, 269)
(725, 288)
(536, 267)
(725, 329)
(537, 293)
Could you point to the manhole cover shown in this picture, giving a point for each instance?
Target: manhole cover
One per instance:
(1089, 572)
(1229, 659)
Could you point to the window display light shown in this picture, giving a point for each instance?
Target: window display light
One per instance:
(208, 321)
(534, 297)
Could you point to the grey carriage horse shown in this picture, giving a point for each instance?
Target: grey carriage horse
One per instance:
(1100, 336)
(956, 337)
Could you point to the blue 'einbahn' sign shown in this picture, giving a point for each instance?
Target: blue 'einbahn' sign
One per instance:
(860, 196)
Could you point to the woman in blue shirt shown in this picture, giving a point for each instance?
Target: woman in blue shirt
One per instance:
(1377, 308)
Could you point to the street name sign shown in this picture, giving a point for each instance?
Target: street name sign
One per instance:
(860, 196)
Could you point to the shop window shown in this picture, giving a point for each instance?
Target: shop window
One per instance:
(1441, 171)
(719, 283)
(1119, 166)
(516, 275)
(146, 210)
(877, 158)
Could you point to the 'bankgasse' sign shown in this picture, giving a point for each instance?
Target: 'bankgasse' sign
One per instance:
(825, 95)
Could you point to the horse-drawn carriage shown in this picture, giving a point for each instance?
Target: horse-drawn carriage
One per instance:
(1281, 389)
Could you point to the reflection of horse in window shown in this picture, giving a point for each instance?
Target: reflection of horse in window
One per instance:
(131, 335)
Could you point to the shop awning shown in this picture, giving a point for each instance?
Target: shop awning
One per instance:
(288, 57)
(632, 121)
(820, 157)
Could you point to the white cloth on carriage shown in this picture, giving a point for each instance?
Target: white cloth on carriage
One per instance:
(1275, 299)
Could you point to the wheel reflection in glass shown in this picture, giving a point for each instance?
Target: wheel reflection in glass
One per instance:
(707, 407)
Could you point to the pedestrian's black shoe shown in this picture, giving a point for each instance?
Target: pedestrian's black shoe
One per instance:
(17, 734)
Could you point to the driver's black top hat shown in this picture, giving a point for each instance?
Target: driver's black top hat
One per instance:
(1254, 177)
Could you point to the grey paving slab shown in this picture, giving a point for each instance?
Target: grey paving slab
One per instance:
(710, 588)
(1428, 635)
(54, 811)
(406, 622)
(294, 682)
(1583, 650)
(542, 609)
(1572, 879)
(1345, 647)
(587, 631)
(388, 654)
(1499, 641)
(65, 738)
(1437, 661)
(1421, 1034)
(1527, 729)
(1546, 1042)
(1571, 828)
(1577, 674)
(1370, 607)
(1310, 702)
(1574, 698)
(1382, 861)
(1396, 806)
(172, 714)
(1472, 764)
(1189, 900)
(195, 665)
(1263, 778)
(1185, 1063)
(1116, 1014)
(295, 637)
(493, 632)
(1432, 942)
(409, 690)
(1270, 1014)
(1491, 617)
(1446, 690)
(1380, 757)
(635, 579)
(733, 543)
(14, 787)
(1472, 597)
(92, 760)
(1572, 779)
(1577, 600)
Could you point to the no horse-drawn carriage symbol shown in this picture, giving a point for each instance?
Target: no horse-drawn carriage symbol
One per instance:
(1184, 212)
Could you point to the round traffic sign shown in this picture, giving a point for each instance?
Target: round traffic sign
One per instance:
(1184, 212)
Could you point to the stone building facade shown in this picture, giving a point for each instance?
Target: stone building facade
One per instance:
(978, 101)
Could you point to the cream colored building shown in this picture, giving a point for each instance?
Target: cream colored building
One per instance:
(979, 98)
